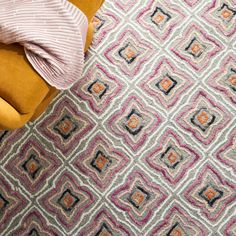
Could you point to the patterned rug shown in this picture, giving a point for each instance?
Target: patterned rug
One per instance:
(145, 143)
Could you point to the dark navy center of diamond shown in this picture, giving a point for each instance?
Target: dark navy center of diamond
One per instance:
(103, 92)
(71, 207)
(33, 232)
(136, 130)
(101, 24)
(121, 53)
(104, 229)
(146, 194)
(108, 162)
(213, 200)
(3, 134)
(5, 203)
(69, 133)
(195, 55)
(34, 158)
(198, 124)
(166, 92)
(164, 156)
(173, 228)
(233, 73)
(158, 9)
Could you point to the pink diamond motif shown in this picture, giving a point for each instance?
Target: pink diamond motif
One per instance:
(222, 15)
(196, 47)
(125, 5)
(229, 228)
(11, 203)
(33, 165)
(138, 197)
(7, 138)
(134, 122)
(33, 224)
(172, 157)
(129, 52)
(160, 18)
(98, 88)
(211, 193)
(65, 126)
(192, 3)
(104, 223)
(166, 83)
(178, 222)
(67, 201)
(224, 79)
(101, 161)
(104, 22)
(204, 118)
(226, 152)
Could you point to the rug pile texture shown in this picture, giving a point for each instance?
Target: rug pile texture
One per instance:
(145, 143)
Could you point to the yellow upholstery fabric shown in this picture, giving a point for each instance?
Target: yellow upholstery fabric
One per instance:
(24, 95)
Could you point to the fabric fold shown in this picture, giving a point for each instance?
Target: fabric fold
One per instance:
(53, 34)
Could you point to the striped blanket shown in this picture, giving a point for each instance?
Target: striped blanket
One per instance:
(53, 34)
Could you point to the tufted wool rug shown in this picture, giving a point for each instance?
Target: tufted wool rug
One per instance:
(145, 143)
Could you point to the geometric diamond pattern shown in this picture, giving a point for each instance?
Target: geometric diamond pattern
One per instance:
(196, 48)
(134, 122)
(204, 118)
(166, 84)
(222, 15)
(98, 87)
(171, 157)
(211, 193)
(224, 79)
(178, 222)
(67, 201)
(12, 202)
(65, 126)
(160, 18)
(32, 164)
(129, 52)
(139, 197)
(100, 161)
(104, 223)
(144, 143)
(33, 224)
(226, 152)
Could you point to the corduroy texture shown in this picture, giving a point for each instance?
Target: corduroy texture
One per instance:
(57, 52)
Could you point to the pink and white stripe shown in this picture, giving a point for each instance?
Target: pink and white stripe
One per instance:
(53, 34)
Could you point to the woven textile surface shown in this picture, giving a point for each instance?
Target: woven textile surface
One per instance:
(145, 143)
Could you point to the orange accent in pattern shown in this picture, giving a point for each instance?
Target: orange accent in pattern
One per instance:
(129, 53)
(196, 48)
(233, 80)
(203, 117)
(105, 234)
(177, 232)
(96, 21)
(1, 203)
(172, 157)
(138, 197)
(68, 200)
(66, 126)
(166, 83)
(101, 161)
(98, 87)
(210, 193)
(32, 167)
(159, 18)
(226, 13)
(133, 122)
